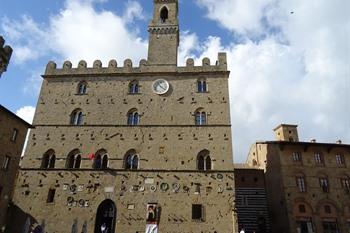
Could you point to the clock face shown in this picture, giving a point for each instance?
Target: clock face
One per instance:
(160, 86)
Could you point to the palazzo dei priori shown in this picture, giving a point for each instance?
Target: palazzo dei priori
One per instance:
(130, 148)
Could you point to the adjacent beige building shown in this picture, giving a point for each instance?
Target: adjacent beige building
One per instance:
(113, 145)
(13, 131)
(5, 55)
(307, 183)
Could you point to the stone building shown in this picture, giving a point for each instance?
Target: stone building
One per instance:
(307, 183)
(13, 131)
(125, 148)
(5, 55)
(251, 199)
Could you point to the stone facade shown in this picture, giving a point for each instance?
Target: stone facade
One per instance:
(13, 131)
(109, 141)
(308, 183)
(5, 55)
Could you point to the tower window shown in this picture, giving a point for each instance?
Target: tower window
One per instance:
(201, 86)
(197, 212)
(204, 161)
(81, 90)
(73, 160)
(200, 117)
(131, 161)
(101, 160)
(48, 160)
(51, 196)
(164, 14)
(133, 87)
(76, 117)
(133, 117)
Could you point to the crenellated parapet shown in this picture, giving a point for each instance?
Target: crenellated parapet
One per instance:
(67, 69)
(5, 55)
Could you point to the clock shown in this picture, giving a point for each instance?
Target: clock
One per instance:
(160, 86)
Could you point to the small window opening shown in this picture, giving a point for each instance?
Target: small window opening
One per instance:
(302, 209)
(164, 13)
(82, 86)
(14, 135)
(6, 163)
(327, 209)
(51, 196)
(197, 212)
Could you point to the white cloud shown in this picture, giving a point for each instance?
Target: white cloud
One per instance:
(133, 11)
(25, 36)
(241, 16)
(26, 113)
(75, 33)
(299, 73)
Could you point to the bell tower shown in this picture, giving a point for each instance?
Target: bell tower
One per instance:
(164, 33)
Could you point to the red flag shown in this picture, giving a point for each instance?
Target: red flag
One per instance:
(91, 156)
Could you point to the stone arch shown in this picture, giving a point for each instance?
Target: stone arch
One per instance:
(101, 160)
(200, 117)
(81, 88)
(133, 117)
(48, 159)
(106, 216)
(204, 161)
(164, 14)
(73, 160)
(131, 160)
(325, 204)
(76, 117)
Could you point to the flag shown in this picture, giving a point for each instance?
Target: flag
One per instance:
(151, 228)
(91, 156)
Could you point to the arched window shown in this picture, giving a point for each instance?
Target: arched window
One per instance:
(82, 86)
(131, 160)
(101, 160)
(48, 160)
(204, 161)
(73, 160)
(201, 86)
(76, 118)
(133, 117)
(133, 87)
(200, 117)
(164, 14)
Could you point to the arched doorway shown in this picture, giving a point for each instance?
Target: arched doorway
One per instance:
(106, 217)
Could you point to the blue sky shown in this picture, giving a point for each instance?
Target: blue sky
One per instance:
(289, 59)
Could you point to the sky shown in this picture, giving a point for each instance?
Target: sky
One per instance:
(289, 59)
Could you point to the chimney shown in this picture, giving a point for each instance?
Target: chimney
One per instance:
(313, 140)
(339, 141)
